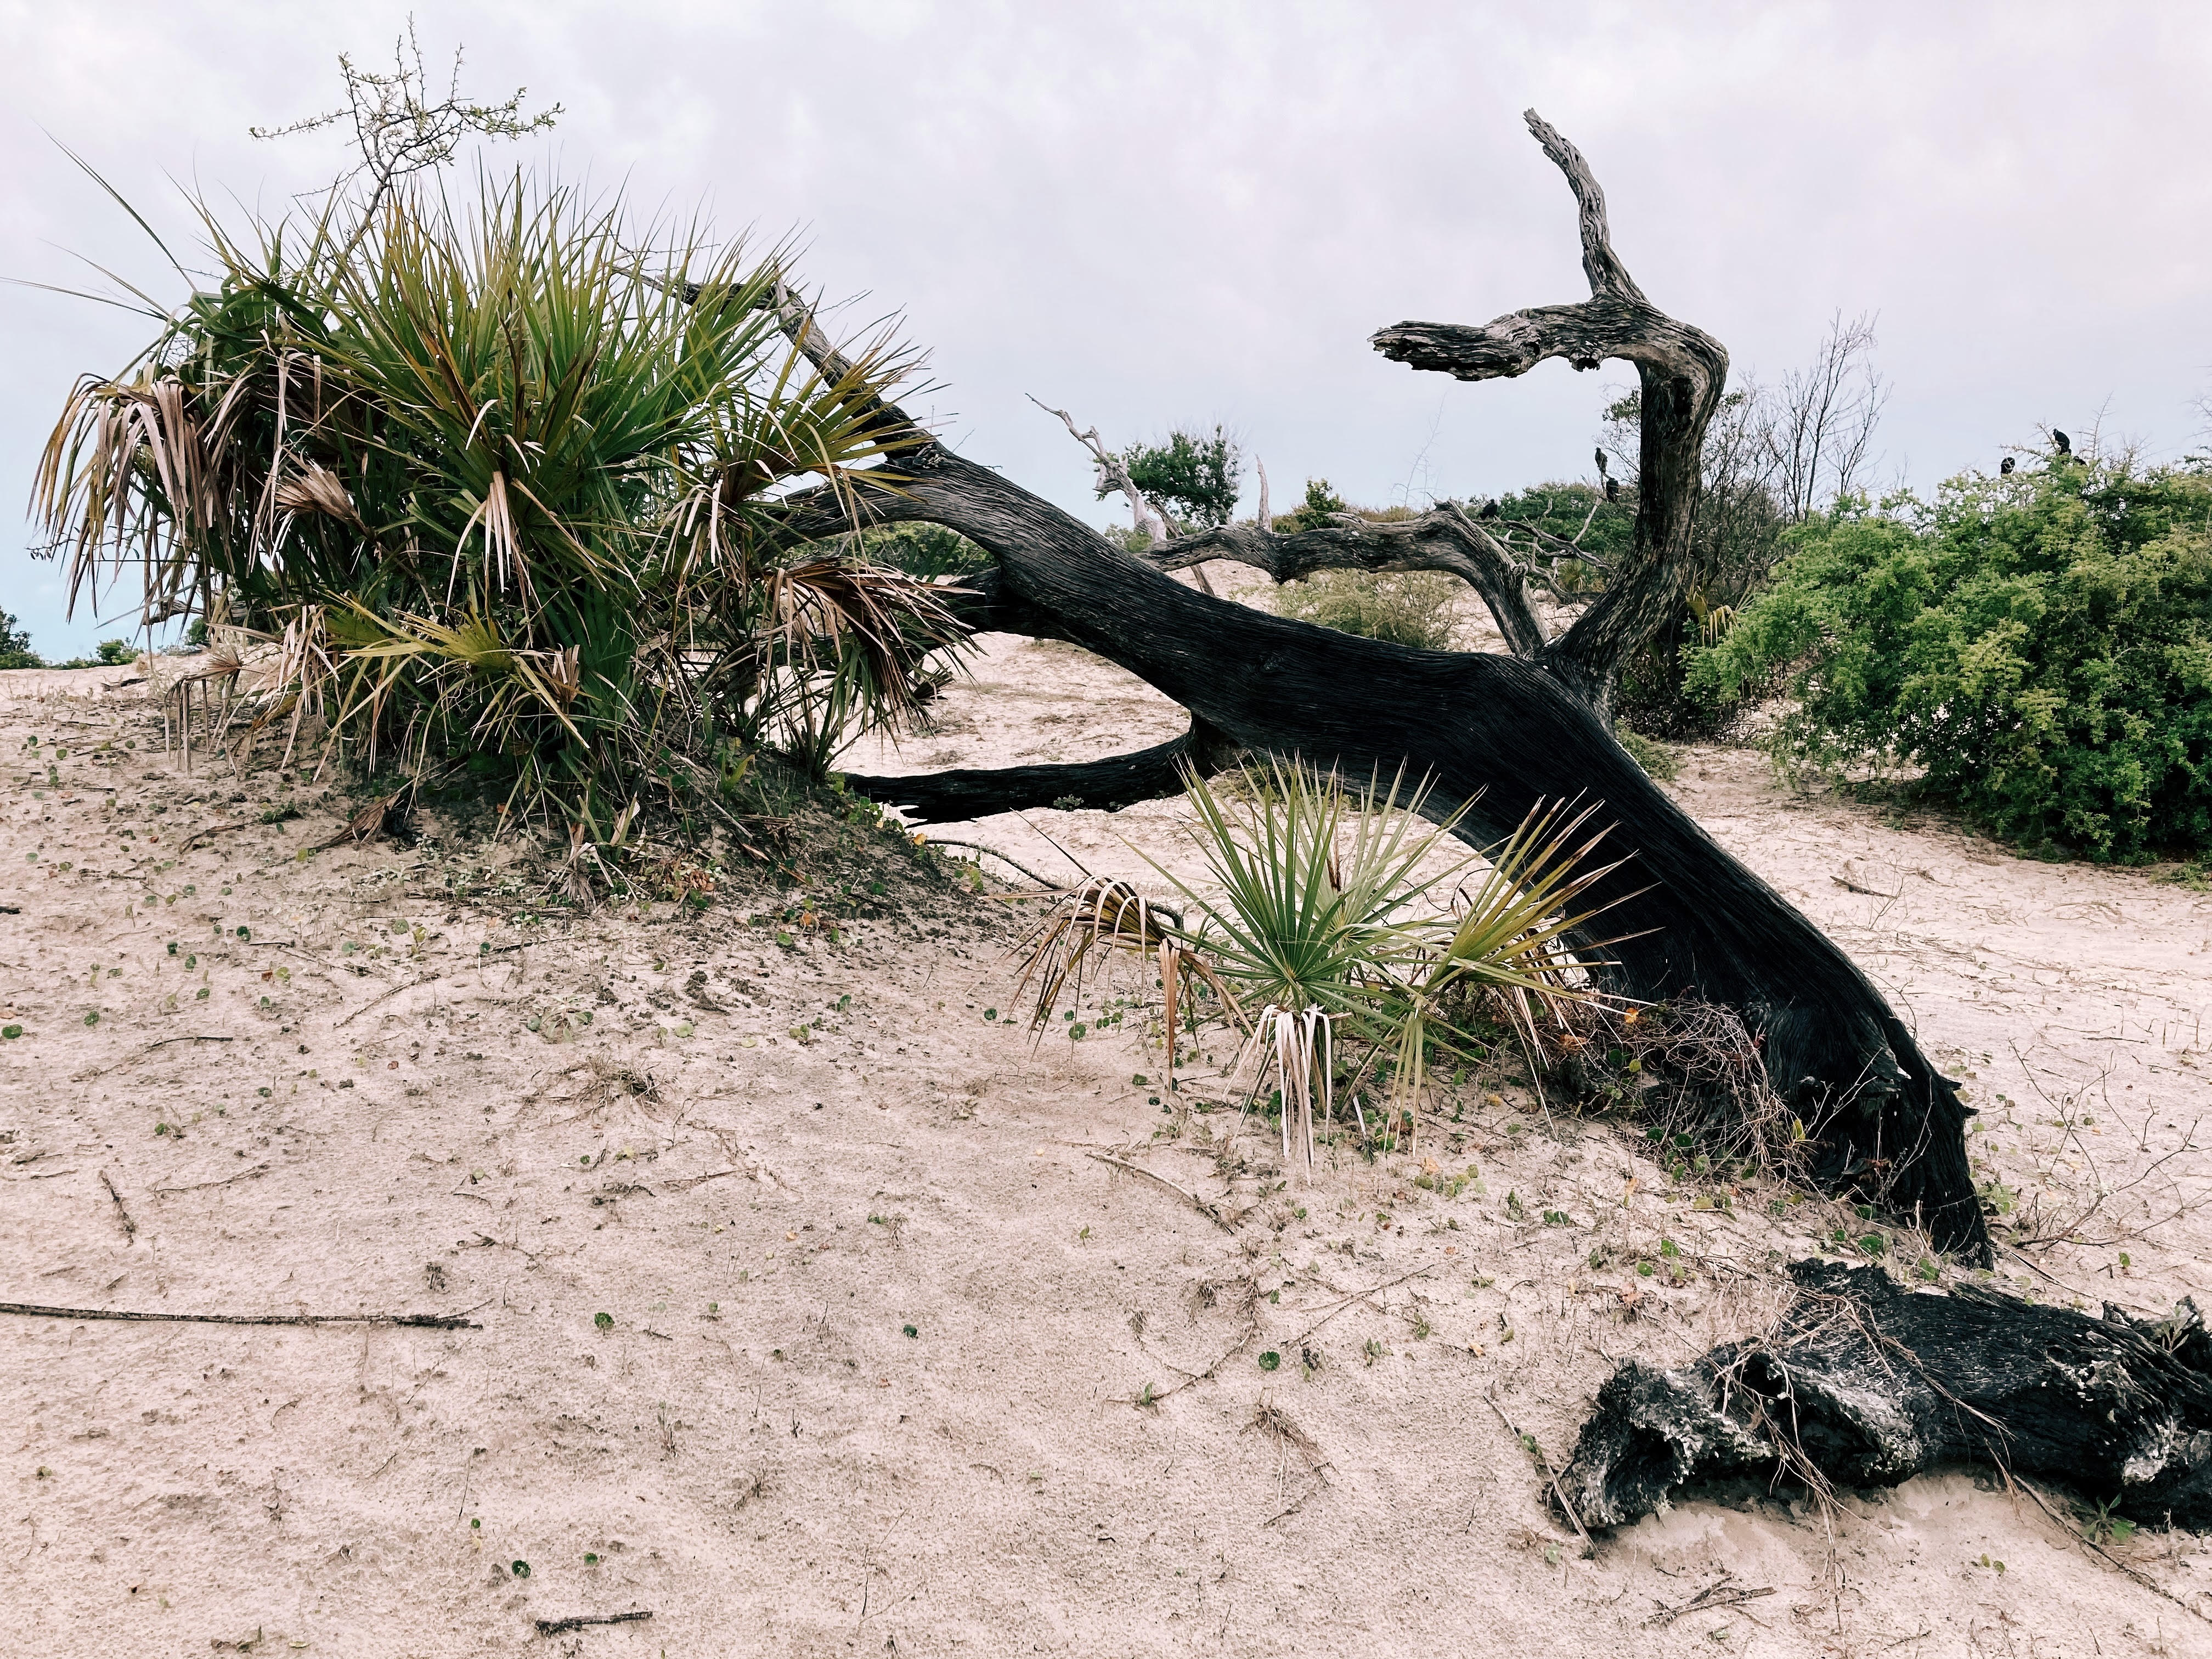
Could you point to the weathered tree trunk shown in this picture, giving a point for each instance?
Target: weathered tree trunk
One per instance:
(1864, 1384)
(1500, 732)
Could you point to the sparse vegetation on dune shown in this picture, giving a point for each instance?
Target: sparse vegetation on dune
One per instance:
(739, 1210)
(494, 490)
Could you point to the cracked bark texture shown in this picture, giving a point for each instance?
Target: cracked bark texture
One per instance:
(1864, 1384)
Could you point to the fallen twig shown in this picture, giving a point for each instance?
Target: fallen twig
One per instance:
(555, 1627)
(212, 829)
(689, 1181)
(1357, 1296)
(1715, 1596)
(163, 1042)
(1530, 1444)
(978, 847)
(129, 1227)
(387, 996)
(1853, 887)
(1188, 1197)
(2094, 1548)
(1251, 1330)
(202, 1186)
(420, 1321)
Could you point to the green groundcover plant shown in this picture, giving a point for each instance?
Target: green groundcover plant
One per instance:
(2039, 645)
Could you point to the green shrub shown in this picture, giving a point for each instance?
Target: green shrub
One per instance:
(1314, 512)
(2041, 645)
(1407, 607)
(1191, 477)
(527, 516)
(1655, 758)
(16, 646)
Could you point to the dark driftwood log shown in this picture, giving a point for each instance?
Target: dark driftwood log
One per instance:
(1864, 1384)
(1103, 786)
(1501, 732)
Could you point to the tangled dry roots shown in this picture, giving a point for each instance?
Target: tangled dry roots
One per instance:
(1680, 1068)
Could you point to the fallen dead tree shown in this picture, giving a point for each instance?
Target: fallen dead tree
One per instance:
(1861, 1383)
(1497, 732)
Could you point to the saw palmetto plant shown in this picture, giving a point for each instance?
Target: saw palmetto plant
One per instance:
(1338, 934)
(496, 488)
(1312, 887)
(1519, 930)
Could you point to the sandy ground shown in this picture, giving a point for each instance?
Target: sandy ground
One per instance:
(894, 1360)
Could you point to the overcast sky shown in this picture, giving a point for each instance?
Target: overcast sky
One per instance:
(1192, 212)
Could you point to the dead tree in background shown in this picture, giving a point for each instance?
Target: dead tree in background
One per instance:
(1500, 732)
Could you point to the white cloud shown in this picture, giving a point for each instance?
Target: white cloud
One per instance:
(1152, 213)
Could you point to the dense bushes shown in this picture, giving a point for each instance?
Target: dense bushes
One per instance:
(927, 550)
(2040, 645)
(503, 496)
(16, 646)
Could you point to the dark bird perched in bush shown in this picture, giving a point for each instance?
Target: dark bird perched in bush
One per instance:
(2064, 443)
(2004, 467)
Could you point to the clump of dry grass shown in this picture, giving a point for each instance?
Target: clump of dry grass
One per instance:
(1690, 1072)
(1401, 607)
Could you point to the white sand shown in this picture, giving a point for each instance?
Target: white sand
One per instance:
(757, 1451)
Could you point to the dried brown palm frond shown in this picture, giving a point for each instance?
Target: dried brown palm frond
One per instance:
(1098, 919)
(224, 662)
(1102, 913)
(307, 668)
(130, 475)
(314, 487)
(884, 622)
(386, 814)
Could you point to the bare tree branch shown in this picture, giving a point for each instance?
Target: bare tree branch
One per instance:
(1114, 474)
(1683, 371)
(1445, 538)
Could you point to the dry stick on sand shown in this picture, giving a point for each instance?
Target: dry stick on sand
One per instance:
(1716, 1596)
(1530, 1443)
(478, 960)
(1188, 1197)
(1251, 1290)
(556, 1626)
(978, 847)
(129, 1227)
(1357, 1296)
(419, 1321)
(86, 1077)
(2090, 1544)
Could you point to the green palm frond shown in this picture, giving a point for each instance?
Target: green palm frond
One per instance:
(519, 481)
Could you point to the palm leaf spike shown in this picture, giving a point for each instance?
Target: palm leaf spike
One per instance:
(1170, 978)
(1301, 1043)
(1512, 935)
